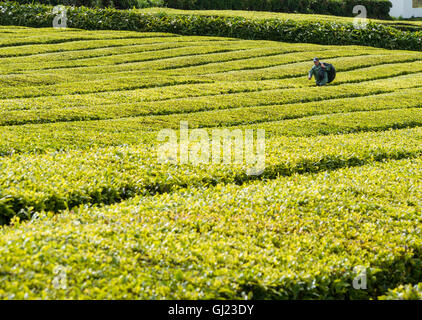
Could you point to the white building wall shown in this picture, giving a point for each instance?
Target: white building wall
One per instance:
(404, 9)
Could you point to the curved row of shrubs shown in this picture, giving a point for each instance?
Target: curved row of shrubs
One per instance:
(376, 8)
(330, 33)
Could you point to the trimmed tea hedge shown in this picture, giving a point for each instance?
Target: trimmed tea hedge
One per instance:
(342, 187)
(56, 181)
(323, 32)
(376, 8)
(404, 292)
(299, 237)
(72, 108)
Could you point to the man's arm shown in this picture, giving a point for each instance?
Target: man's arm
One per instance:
(311, 72)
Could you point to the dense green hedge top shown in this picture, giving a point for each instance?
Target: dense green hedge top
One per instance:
(120, 4)
(320, 32)
(376, 8)
(404, 292)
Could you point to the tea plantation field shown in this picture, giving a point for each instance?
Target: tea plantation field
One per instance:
(88, 212)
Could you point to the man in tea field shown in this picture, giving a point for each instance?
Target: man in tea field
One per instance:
(323, 72)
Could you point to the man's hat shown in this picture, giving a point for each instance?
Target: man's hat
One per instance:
(316, 59)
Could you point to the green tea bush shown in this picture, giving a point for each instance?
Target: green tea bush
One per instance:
(63, 180)
(321, 32)
(342, 185)
(72, 108)
(404, 292)
(298, 237)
